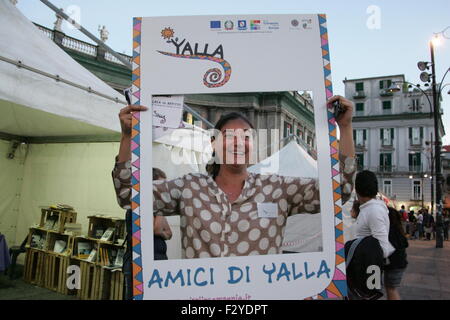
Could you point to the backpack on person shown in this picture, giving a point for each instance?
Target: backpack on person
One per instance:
(361, 256)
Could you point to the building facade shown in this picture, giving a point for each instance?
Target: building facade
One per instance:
(394, 135)
(281, 114)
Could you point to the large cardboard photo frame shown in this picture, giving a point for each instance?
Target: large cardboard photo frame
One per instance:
(247, 53)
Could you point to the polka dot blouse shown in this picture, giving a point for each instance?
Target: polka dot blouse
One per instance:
(212, 226)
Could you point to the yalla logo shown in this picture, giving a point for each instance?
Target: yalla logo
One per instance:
(214, 77)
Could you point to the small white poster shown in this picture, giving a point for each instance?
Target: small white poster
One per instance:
(167, 111)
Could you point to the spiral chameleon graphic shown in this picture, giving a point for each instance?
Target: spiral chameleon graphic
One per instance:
(212, 77)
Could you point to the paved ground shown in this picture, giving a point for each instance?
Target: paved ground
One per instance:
(428, 274)
(427, 277)
(18, 289)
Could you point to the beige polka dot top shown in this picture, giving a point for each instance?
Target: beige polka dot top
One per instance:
(212, 226)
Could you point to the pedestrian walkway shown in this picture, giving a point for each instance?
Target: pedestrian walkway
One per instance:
(428, 274)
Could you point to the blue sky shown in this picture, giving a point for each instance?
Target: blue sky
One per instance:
(357, 51)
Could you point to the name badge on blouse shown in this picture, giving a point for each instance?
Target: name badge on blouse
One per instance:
(267, 210)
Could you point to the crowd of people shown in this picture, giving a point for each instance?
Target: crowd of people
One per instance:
(421, 225)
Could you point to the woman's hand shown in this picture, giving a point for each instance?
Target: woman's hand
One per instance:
(345, 119)
(125, 116)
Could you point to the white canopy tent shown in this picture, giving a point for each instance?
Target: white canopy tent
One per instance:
(303, 232)
(29, 63)
(59, 124)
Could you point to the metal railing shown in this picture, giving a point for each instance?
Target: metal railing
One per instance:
(359, 95)
(386, 169)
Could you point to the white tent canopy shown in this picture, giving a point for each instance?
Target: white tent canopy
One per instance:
(292, 160)
(33, 103)
(303, 232)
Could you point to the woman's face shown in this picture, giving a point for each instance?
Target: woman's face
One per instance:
(235, 144)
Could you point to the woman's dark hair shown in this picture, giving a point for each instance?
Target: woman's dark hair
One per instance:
(395, 220)
(355, 208)
(366, 184)
(212, 168)
(158, 174)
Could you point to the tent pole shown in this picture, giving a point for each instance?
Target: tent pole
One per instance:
(87, 33)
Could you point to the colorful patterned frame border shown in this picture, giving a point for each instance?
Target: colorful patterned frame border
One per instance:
(338, 286)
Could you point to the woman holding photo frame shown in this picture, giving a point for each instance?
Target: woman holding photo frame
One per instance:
(231, 212)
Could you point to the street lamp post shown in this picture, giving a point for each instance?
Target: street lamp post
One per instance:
(425, 77)
(432, 172)
(436, 92)
(437, 154)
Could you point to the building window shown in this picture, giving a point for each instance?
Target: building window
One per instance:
(415, 164)
(360, 161)
(415, 105)
(299, 133)
(360, 137)
(385, 84)
(387, 136)
(416, 190)
(360, 109)
(387, 107)
(415, 135)
(385, 162)
(359, 86)
(287, 129)
(387, 187)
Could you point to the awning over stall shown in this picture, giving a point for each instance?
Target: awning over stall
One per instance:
(44, 92)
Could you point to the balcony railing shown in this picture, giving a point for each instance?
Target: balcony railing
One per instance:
(49, 33)
(80, 46)
(359, 95)
(386, 169)
(386, 93)
(415, 142)
(415, 169)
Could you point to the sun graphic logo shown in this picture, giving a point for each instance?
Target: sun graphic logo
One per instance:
(167, 33)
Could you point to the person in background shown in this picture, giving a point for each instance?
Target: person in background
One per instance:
(394, 270)
(420, 224)
(404, 219)
(427, 224)
(413, 231)
(161, 228)
(446, 218)
(373, 218)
